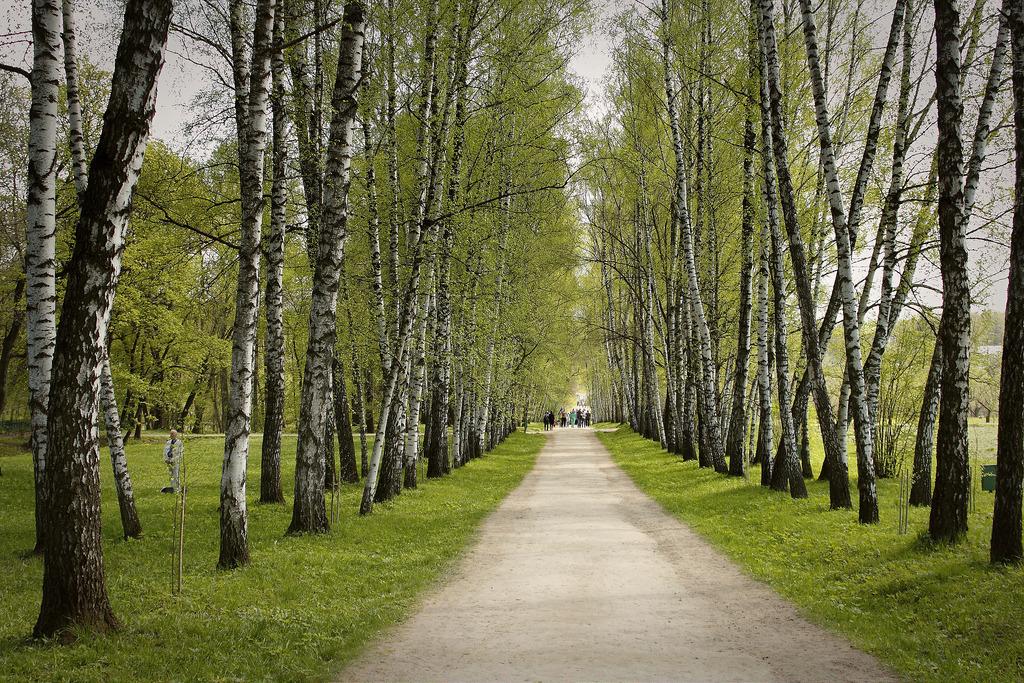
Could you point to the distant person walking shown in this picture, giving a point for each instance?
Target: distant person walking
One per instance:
(174, 449)
(562, 418)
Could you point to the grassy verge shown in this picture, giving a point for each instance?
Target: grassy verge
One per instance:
(934, 613)
(302, 609)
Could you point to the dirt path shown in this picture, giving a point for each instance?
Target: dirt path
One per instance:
(580, 576)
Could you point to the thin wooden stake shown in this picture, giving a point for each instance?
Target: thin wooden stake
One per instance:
(181, 525)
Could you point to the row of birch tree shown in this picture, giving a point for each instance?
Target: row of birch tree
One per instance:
(774, 198)
(378, 221)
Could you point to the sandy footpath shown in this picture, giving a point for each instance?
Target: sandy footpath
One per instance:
(580, 576)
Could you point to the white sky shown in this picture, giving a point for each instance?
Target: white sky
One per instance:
(593, 58)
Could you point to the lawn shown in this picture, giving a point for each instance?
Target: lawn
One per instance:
(934, 613)
(303, 607)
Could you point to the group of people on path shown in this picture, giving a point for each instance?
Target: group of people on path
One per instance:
(577, 417)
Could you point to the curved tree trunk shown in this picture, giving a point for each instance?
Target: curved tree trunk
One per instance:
(786, 468)
(765, 438)
(772, 110)
(863, 427)
(74, 585)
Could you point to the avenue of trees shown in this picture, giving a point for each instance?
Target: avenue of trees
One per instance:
(780, 201)
(369, 235)
(373, 247)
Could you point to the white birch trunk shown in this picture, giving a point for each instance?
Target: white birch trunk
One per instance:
(74, 585)
(252, 84)
(41, 230)
(948, 519)
(274, 367)
(308, 513)
(130, 523)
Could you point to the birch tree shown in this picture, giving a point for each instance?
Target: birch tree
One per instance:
(309, 514)
(252, 98)
(41, 230)
(273, 420)
(74, 586)
(948, 520)
(1006, 519)
(709, 388)
(130, 523)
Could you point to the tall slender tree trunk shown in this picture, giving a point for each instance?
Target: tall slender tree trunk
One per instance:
(130, 523)
(948, 520)
(416, 381)
(863, 427)
(252, 90)
(308, 512)
(11, 339)
(273, 416)
(765, 439)
(738, 419)
(41, 232)
(921, 488)
(342, 412)
(786, 468)
(495, 327)
(839, 487)
(407, 315)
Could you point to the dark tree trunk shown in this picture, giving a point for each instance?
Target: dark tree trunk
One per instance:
(370, 424)
(330, 464)
(74, 585)
(347, 471)
(805, 448)
(1006, 519)
(921, 488)
(11, 339)
(948, 520)
(273, 415)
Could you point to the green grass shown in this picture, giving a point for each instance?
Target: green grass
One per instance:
(303, 608)
(934, 613)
